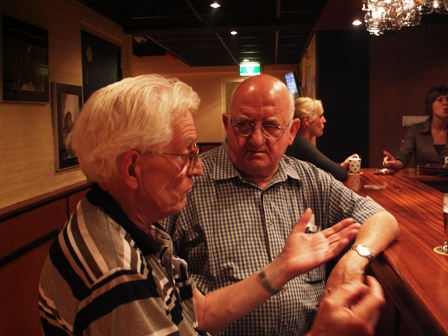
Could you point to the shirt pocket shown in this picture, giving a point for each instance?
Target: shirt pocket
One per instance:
(316, 275)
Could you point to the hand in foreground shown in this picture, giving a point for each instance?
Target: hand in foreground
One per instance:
(303, 252)
(350, 267)
(352, 309)
(346, 162)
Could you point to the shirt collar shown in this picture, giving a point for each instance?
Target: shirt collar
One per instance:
(224, 169)
(145, 243)
(426, 126)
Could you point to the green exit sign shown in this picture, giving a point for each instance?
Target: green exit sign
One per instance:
(250, 69)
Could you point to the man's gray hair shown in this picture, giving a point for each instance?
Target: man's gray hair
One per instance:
(134, 113)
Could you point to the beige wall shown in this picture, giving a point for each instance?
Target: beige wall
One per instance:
(210, 83)
(27, 155)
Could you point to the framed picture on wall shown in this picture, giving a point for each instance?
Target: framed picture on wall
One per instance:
(24, 62)
(67, 104)
(101, 63)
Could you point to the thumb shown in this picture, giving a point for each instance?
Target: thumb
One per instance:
(303, 220)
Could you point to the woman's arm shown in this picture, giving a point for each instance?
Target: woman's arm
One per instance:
(304, 150)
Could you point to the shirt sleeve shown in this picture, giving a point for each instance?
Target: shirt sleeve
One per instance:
(407, 147)
(303, 150)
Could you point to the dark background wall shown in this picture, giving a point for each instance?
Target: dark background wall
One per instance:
(369, 83)
(342, 78)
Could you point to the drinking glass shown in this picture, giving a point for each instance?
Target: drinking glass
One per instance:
(445, 223)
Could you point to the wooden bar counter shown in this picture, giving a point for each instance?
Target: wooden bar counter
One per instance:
(413, 275)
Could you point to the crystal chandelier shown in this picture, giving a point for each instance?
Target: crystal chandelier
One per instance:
(382, 15)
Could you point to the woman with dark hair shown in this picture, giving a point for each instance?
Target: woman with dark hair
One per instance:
(426, 140)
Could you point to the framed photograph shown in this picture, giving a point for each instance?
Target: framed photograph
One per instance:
(67, 104)
(24, 62)
(101, 63)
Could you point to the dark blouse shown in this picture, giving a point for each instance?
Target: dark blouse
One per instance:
(304, 150)
(418, 141)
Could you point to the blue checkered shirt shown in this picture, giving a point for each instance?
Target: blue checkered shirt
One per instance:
(231, 228)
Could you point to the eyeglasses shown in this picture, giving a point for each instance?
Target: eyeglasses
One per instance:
(190, 159)
(269, 131)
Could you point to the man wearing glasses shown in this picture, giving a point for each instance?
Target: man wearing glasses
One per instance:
(243, 208)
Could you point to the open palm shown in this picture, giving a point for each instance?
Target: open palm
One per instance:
(305, 251)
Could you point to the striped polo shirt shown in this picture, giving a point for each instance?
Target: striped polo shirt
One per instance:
(105, 276)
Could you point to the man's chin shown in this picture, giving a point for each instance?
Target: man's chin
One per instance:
(178, 207)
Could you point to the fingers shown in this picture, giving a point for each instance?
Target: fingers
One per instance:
(347, 293)
(339, 235)
(375, 287)
(387, 156)
(344, 229)
(370, 302)
(303, 221)
(388, 159)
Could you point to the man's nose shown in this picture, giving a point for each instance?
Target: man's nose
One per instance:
(197, 170)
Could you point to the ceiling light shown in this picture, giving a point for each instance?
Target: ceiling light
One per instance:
(356, 23)
(233, 32)
(382, 15)
(215, 5)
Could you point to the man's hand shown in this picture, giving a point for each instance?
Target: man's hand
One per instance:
(349, 268)
(352, 309)
(303, 252)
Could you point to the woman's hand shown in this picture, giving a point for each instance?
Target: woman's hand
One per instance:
(390, 162)
(346, 162)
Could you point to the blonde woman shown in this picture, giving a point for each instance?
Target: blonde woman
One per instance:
(312, 122)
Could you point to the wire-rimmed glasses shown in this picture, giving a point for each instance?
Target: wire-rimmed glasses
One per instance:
(269, 131)
(191, 159)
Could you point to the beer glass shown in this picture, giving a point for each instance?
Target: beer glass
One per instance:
(445, 223)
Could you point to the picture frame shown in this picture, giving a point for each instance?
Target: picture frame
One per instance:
(101, 63)
(67, 104)
(24, 62)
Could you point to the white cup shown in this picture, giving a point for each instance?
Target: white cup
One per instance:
(354, 166)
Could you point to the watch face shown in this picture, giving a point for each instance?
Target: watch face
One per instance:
(364, 251)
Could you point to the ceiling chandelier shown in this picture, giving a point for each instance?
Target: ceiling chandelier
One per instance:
(382, 15)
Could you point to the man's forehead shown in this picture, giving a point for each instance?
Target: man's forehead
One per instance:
(261, 111)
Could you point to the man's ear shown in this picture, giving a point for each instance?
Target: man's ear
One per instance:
(293, 129)
(129, 168)
(226, 120)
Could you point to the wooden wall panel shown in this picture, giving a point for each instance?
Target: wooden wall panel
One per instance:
(19, 313)
(23, 229)
(25, 238)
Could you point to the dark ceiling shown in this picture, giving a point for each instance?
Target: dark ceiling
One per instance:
(269, 31)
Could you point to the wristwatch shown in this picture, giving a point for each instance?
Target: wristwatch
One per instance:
(363, 251)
